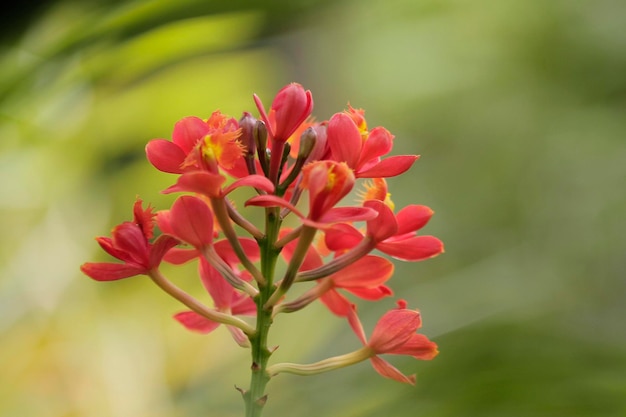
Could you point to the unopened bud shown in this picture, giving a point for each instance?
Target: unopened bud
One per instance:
(307, 143)
(321, 149)
(286, 152)
(247, 124)
(260, 135)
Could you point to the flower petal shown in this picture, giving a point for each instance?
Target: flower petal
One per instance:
(394, 329)
(272, 201)
(368, 271)
(201, 182)
(416, 248)
(347, 214)
(107, 244)
(179, 256)
(257, 181)
(105, 271)
(164, 221)
(242, 305)
(312, 258)
(220, 290)
(188, 131)
(192, 221)
(144, 219)
(226, 252)
(379, 142)
(412, 218)
(327, 182)
(130, 240)
(418, 346)
(239, 336)
(291, 106)
(344, 139)
(165, 156)
(195, 322)
(384, 225)
(342, 236)
(387, 370)
(371, 294)
(388, 167)
(355, 324)
(336, 303)
(160, 247)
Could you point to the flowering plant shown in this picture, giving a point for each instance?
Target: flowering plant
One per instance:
(284, 157)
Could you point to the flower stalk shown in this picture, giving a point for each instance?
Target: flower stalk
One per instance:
(255, 398)
(159, 279)
(326, 365)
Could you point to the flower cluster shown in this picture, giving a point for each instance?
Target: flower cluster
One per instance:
(341, 251)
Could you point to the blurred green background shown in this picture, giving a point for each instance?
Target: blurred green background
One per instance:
(517, 108)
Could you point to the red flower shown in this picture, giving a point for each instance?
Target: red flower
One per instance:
(290, 108)
(392, 234)
(327, 182)
(395, 333)
(130, 243)
(190, 219)
(198, 145)
(362, 150)
(364, 278)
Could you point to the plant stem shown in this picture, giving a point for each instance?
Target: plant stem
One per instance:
(196, 305)
(220, 210)
(330, 364)
(255, 397)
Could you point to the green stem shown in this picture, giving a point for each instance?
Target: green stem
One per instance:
(330, 364)
(304, 242)
(255, 397)
(220, 210)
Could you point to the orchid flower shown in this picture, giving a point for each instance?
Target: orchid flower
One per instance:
(130, 243)
(395, 333)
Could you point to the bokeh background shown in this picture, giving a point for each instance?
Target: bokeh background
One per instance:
(518, 109)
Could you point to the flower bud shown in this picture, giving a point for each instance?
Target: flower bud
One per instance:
(260, 135)
(290, 108)
(307, 143)
(247, 123)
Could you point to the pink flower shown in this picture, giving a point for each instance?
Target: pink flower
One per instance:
(198, 145)
(130, 243)
(290, 108)
(190, 219)
(395, 333)
(362, 150)
(364, 278)
(392, 234)
(327, 183)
